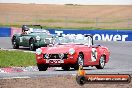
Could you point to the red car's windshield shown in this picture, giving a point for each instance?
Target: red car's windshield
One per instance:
(76, 39)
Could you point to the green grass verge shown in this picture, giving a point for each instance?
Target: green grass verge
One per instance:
(65, 21)
(60, 27)
(74, 23)
(16, 58)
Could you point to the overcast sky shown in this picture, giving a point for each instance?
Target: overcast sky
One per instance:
(86, 2)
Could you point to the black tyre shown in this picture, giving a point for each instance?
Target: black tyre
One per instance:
(42, 67)
(31, 45)
(66, 68)
(14, 43)
(76, 67)
(81, 80)
(79, 62)
(101, 63)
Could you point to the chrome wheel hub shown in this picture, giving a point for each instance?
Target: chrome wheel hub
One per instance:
(102, 61)
(80, 60)
(31, 46)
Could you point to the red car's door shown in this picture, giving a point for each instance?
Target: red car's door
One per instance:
(94, 56)
(87, 54)
(91, 56)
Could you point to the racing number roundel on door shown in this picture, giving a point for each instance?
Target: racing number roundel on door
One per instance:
(94, 54)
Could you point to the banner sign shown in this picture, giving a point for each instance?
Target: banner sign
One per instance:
(106, 35)
(103, 78)
(5, 32)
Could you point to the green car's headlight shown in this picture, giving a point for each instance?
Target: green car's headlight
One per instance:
(38, 51)
(38, 38)
(71, 51)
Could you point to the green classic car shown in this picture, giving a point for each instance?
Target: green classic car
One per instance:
(33, 38)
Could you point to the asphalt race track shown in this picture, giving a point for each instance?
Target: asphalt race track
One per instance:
(120, 61)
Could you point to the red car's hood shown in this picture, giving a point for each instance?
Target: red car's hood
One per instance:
(59, 49)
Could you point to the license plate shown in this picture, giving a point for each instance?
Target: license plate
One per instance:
(54, 61)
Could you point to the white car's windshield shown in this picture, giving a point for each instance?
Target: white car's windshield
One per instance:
(76, 39)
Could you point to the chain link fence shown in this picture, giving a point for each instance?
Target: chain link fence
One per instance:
(65, 22)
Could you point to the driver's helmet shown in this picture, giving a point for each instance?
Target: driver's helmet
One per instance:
(25, 28)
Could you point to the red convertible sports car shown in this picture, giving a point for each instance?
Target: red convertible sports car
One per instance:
(72, 52)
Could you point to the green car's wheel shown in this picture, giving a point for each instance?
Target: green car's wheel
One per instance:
(14, 43)
(31, 45)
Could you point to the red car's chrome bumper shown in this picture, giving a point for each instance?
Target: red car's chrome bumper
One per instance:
(56, 62)
(69, 60)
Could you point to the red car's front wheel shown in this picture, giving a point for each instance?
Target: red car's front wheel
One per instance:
(42, 67)
(101, 63)
(79, 62)
(66, 68)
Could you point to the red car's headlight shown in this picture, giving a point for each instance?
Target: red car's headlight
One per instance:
(38, 51)
(71, 51)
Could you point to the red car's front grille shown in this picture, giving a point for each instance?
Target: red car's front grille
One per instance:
(55, 56)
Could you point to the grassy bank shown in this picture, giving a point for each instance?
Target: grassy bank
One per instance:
(68, 16)
(65, 27)
(16, 58)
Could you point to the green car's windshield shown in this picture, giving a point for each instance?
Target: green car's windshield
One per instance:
(76, 39)
(36, 30)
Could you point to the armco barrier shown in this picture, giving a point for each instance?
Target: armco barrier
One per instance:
(5, 32)
(107, 35)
